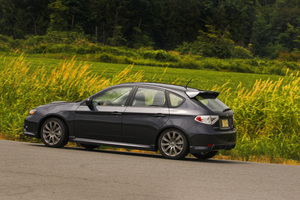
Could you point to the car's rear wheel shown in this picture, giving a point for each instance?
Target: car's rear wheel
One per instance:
(54, 133)
(89, 146)
(205, 155)
(173, 144)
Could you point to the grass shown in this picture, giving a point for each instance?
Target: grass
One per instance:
(202, 79)
(267, 117)
(23, 88)
(267, 108)
(66, 45)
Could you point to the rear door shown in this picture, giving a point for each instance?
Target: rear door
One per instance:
(145, 116)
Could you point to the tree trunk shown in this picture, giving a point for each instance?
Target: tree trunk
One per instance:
(72, 26)
(96, 33)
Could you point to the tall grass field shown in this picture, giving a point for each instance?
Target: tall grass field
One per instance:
(267, 110)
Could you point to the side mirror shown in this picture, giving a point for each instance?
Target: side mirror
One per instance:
(89, 102)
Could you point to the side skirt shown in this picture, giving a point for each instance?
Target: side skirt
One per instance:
(110, 143)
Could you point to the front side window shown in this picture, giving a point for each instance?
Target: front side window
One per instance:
(113, 97)
(146, 97)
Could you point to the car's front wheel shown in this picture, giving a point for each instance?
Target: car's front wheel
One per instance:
(173, 144)
(54, 133)
(205, 155)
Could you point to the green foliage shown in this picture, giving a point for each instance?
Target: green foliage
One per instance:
(288, 39)
(267, 117)
(214, 43)
(266, 112)
(290, 57)
(5, 43)
(117, 39)
(240, 52)
(58, 16)
(69, 44)
(22, 88)
(268, 27)
(275, 28)
(140, 39)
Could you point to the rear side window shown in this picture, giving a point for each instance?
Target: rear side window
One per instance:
(175, 100)
(146, 97)
(211, 102)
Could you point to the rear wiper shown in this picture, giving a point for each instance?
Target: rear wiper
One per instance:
(226, 109)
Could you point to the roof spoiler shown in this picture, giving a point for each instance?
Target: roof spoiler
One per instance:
(195, 93)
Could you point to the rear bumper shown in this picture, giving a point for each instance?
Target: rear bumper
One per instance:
(213, 142)
(214, 147)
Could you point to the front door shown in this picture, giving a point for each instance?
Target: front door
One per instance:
(102, 121)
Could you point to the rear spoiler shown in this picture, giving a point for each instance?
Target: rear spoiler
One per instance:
(195, 93)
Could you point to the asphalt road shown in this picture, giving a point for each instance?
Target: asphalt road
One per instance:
(32, 171)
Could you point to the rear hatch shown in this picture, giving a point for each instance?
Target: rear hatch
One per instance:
(209, 100)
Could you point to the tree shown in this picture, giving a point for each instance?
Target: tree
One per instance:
(37, 15)
(78, 14)
(117, 38)
(182, 19)
(290, 38)
(58, 16)
(236, 16)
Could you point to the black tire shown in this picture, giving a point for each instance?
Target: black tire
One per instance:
(173, 144)
(89, 146)
(54, 133)
(205, 155)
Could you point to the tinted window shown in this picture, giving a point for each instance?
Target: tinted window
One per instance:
(113, 97)
(175, 100)
(212, 103)
(145, 97)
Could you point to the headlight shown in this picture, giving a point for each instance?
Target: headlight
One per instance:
(32, 112)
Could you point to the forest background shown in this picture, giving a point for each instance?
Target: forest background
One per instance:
(263, 27)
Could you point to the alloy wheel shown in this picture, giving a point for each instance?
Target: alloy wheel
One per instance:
(52, 132)
(172, 143)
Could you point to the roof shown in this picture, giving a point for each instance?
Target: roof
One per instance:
(191, 92)
(162, 85)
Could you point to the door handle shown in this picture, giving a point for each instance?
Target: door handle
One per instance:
(116, 113)
(159, 115)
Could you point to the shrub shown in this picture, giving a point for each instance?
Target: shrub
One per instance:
(22, 89)
(291, 57)
(149, 54)
(59, 48)
(5, 42)
(186, 62)
(267, 117)
(240, 52)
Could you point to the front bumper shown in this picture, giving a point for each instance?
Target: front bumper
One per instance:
(26, 133)
(30, 128)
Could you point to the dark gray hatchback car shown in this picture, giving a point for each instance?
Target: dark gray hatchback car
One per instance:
(173, 119)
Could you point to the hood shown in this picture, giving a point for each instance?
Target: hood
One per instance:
(58, 102)
(54, 104)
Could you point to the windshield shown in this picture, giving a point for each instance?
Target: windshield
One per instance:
(212, 103)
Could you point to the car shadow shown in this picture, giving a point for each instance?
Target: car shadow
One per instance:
(149, 155)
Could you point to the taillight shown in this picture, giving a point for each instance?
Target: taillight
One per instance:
(207, 119)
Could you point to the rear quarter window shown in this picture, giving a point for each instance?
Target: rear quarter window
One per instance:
(175, 100)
